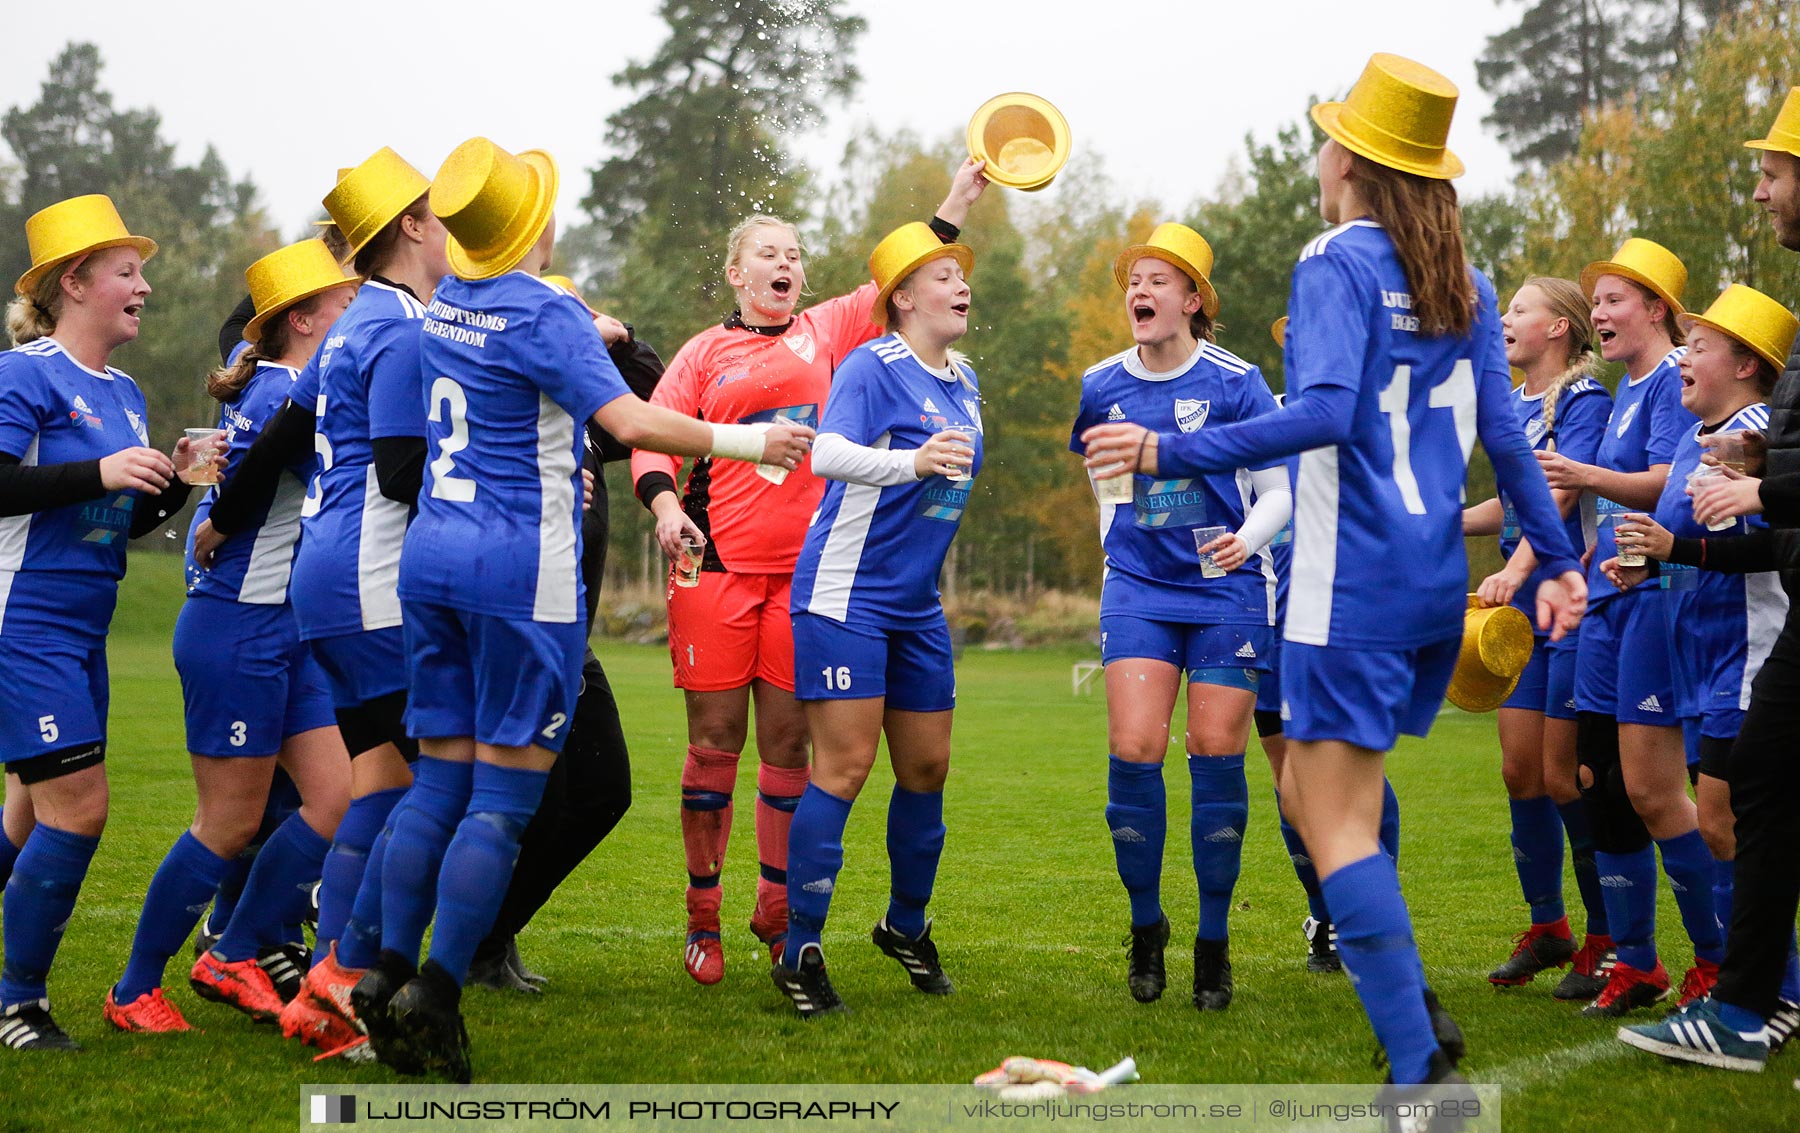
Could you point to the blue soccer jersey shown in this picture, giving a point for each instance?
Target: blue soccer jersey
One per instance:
(1646, 425)
(1152, 563)
(512, 369)
(60, 568)
(348, 565)
(254, 564)
(873, 554)
(1722, 626)
(1578, 420)
(1378, 552)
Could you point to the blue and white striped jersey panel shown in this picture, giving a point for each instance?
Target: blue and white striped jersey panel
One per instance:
(557, 594)
(378, 544)
(15, 535)
(272, 553)
(1765, 613)
(1312, 572)
(843, 551)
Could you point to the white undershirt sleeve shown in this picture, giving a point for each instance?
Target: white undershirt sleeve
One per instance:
(836, 457)
(1274, 506)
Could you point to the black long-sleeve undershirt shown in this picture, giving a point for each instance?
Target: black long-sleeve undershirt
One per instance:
(25, 489)
(1741, 554)
(286, 440)
(399, 467)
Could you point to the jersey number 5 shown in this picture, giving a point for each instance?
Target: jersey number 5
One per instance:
(1455, 393)
(445, 484)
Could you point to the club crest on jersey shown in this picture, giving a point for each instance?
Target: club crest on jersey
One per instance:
(1629, 416)
(137, 426)
(1535, 431)
(1115, 413)
(1191, 414)
(801, 344)
(974, 412)
(82, 413)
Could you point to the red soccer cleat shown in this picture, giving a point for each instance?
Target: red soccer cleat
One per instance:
(704, 957)
(313, 1025)
(237, 983)
(150, 1013)
(1628, 989)
(1698, 982)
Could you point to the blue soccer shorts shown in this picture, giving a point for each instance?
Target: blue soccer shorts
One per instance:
(1622, 666)
(363, 667)
(912, 668)
(510, 682)
(247, 680)
(1548, 683)
(1366, 697)
(53, 695)
(1234, 656)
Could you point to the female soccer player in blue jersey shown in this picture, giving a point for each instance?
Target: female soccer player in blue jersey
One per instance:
(1633, 766)
(511, 367)
(1549, 338)
(900, 440)
(252, 692)
(1175, 602)
(1395, 365)
(358, 405)
(77, 480)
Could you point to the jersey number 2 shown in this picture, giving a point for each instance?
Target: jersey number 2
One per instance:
(1455, 393)
(445, 484)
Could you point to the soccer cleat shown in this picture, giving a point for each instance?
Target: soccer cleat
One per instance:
(1697, 1034)
(1449, 1036)
(1783, 1023)
(236, 983)
(1697, 982)
(517, 963)
(372, 999)
(150, 1013)
(1421, 1108)
(808, 988)
(1212, 975)
(772, 931)
(304, 1019)
(428, 1027)
(1539, 947)
(1628, 989)
(286, 966)
(704, 957)
(1589, 969)
(204, 936)
(1321, 946)
(918, 955)
(1144, 973)
(328, 984)
(493, 968)
(28, 1026)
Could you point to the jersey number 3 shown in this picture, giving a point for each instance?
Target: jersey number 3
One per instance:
(445, 484)
(1455, 393)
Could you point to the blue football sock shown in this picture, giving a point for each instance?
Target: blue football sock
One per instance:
(346, 861)
(360, 943)
(1740, 1019)
(231, 886)
(1537, 842)
(419, 831)
(1628, 882)
(1375, 941)
(1221, 800)
(1790, 976)
(915, 842)
(1303, 865)
(478, 863)
(815, 855)
(185, 880)
(1576, 825)
(1137, 814)
(280, 881)
(1691, 871)
(1390, 820)
(1724, 892)
(9, 854)
(39, 900)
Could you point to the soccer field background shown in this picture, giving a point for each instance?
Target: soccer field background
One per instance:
(1029, 919)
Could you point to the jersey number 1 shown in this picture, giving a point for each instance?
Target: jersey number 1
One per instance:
(1455, 393)
(445, 485)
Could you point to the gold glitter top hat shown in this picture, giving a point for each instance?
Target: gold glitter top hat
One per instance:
(902, 252)
(1023, 139)
(1784, 135)
(1752, 318)
(1398, 115)
(1496, 645)
(368, 197)
(1643, 262)
(1181, 246)
(75, 227)
(287, 276)
(495, 205)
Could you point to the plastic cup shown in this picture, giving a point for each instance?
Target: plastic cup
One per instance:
(1696, 480)
(1209, 566)
(1730, 450)
(202, 448)
(773, 473)
(687, 568)
(962, 476)
(1118, 490)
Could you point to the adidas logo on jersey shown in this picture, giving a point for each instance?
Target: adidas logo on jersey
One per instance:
(1223, 834)
(931, 406)
(1247, 650)
(1127, 834)
(1115, 413)
(822, 885)
(81, 404)
(1650, 704)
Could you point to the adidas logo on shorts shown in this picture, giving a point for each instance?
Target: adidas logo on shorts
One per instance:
(1247, 650)
(1650, 704)
(822, 885)
(1115, 413)
(1127, 834)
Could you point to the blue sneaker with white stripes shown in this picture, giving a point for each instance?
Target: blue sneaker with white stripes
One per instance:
(1698, 1034)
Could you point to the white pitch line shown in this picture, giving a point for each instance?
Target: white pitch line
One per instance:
(1539, 1069)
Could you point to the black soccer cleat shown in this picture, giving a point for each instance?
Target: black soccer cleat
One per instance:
(1321, 946)
(1589, 969)
(1144, 973)
(428, 1025)
(372, 1001)
(1783, 1024)
(808, 988)
(286, 966)
(493, 967)
(1536, 949)
(205, 939)
(918, 956)
(1449, 1036)
(1212, 975)
(28, 1026)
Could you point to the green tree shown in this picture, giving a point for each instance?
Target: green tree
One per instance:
(72, 141)
(704, 144)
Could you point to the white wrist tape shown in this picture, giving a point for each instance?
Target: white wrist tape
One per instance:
(738, 442)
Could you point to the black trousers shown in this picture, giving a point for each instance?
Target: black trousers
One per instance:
(1765, 798)
(589, 791)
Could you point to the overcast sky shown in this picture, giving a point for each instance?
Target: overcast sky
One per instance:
(1165, 91)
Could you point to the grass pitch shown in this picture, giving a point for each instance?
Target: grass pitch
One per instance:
(1029, 916)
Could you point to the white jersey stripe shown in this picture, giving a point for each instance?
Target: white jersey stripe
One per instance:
(557, 570)
(378, 555)
(1312, 575)
(272, 556)
(1765, 612)
(842, 555)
